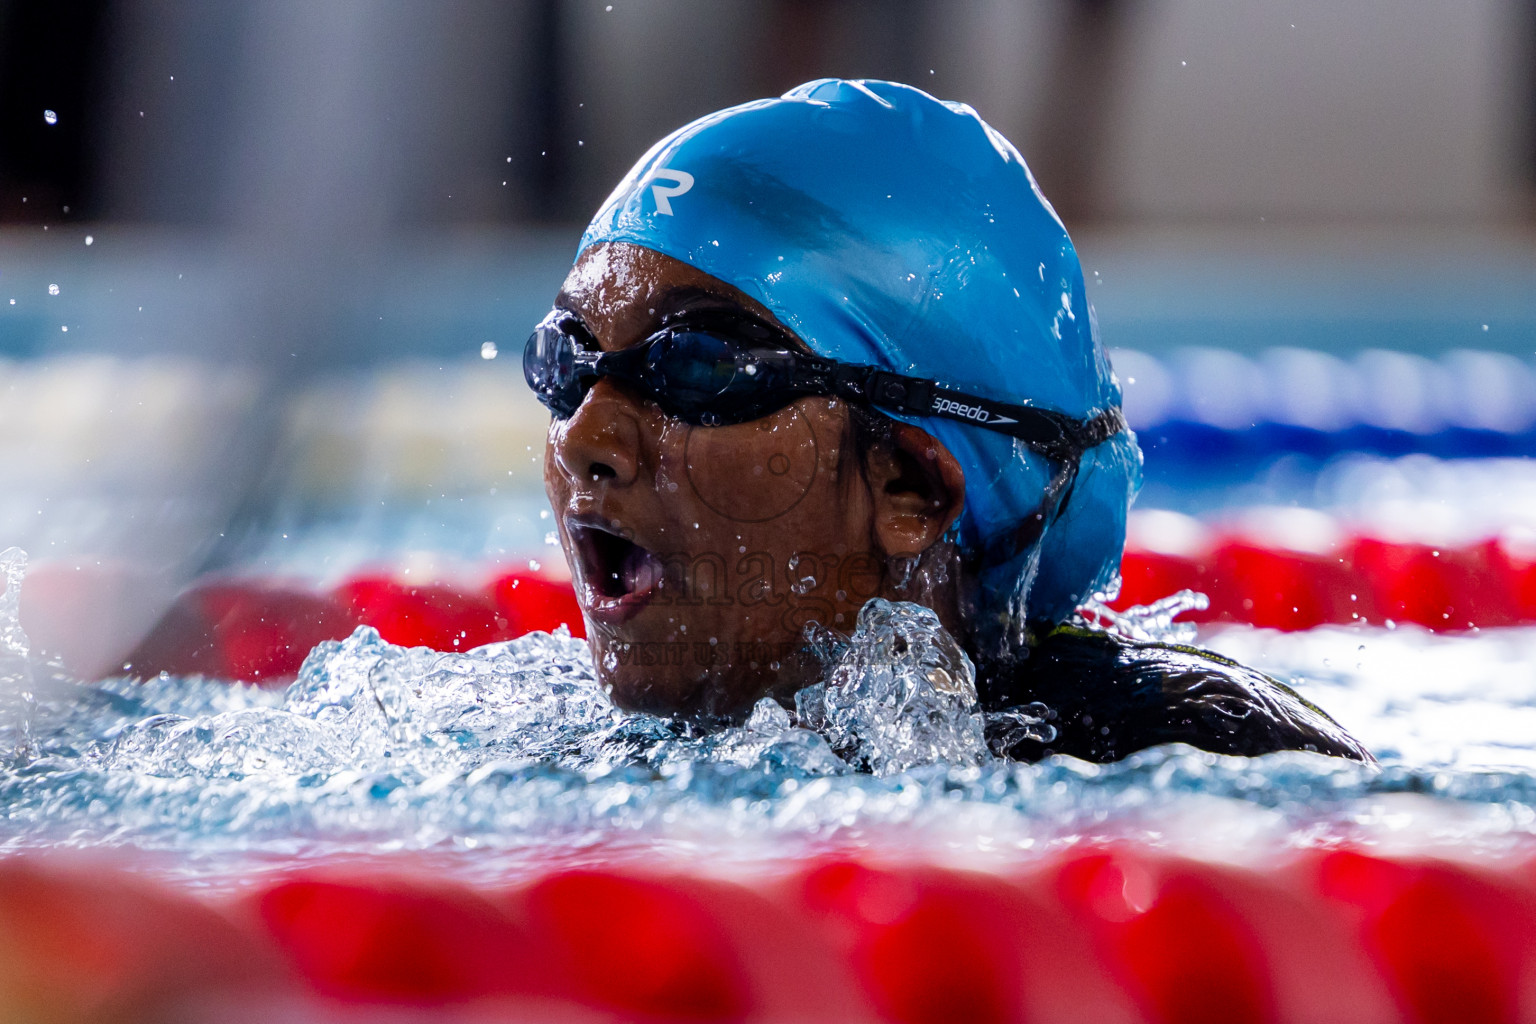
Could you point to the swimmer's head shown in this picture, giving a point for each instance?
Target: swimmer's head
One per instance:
(872, 225)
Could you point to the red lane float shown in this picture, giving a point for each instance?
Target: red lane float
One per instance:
(1176, 939)
(259, 631)
(1361, 580)
(640, 947)
(925, 947)
(1453, 943)
(398, 941)
(1121, 935)
(245, 630)
(430, 615)
(85, 943)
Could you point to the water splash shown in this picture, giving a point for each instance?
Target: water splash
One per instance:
(17, 678)
(13, 639)
(1008, 727)
(900, 693)
(514, 748)
(372, 738)
(1153, 621)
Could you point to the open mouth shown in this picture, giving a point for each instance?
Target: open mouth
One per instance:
(619, 575)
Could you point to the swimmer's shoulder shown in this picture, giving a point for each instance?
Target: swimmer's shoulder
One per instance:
(1113, 696)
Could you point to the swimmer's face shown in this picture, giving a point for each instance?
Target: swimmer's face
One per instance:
(700, 553)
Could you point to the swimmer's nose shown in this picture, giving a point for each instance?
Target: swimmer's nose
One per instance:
(601, 442)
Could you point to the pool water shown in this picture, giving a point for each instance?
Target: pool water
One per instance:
(502, 777)
(513, 751)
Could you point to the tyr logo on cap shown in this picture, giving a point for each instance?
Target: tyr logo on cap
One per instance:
(681, 181)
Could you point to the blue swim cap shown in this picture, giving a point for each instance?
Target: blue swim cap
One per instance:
(889, 228)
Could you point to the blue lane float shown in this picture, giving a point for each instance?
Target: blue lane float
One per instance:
(1204, 412)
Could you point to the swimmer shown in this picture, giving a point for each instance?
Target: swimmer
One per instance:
(836, 346)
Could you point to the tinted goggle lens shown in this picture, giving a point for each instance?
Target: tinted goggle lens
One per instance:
(707, 378)
(549, 366)
(698, 376)
(691, 368)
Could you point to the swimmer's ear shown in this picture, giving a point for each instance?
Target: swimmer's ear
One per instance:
(917, 488)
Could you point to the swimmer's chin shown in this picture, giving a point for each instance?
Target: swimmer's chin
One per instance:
(671, 686)
(654, 692)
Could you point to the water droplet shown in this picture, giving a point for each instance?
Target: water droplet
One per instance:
(50, 117)
(488, 350)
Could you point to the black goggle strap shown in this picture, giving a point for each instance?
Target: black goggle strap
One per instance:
(1057, 436)
(1052, 434)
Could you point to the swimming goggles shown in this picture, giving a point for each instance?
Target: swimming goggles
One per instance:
(722, 368)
